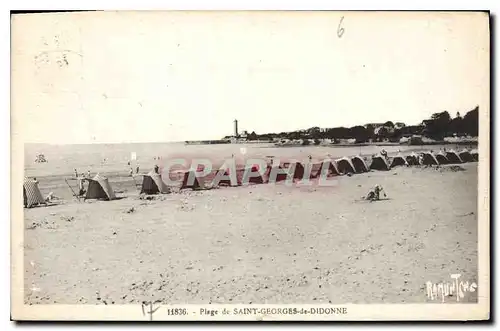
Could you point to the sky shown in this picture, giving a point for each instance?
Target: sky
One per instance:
(114, 77)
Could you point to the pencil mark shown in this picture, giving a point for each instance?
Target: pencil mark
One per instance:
(340, 29)
(63, 51)
(59, 58)
(151, 310)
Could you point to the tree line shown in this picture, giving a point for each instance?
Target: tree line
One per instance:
(440, 125)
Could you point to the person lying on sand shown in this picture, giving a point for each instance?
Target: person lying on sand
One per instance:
(374, 193)
(51, 197)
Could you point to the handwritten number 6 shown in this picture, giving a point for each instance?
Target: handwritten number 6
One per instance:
(340, 29)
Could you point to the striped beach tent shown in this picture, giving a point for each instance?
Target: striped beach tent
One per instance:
(441, 158)
(153, 184)
(466, 156)
(398, 160)
(345, 166)
(31, 193)
(412, 159)
(427, 158)
(359, 164)
(453, 157)
(189, 180)
(254, 170)
(379, 163)
(475, 155)
(99, 188)
(277, 169)
(328, 166)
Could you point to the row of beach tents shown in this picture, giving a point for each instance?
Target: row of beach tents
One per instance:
(98, 188)
(152, 183)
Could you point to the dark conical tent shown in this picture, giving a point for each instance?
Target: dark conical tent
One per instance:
(453, 157)
(429, 159)
(189, 180)
(153, 184)
(345, 166)
(227, 181)
(99, 188)
(475, 155)
(441, 158)
(359, 164)
(271, 169)
(298, 172)
(412, 159)
(466, 156)
(329, 166)
(379, 163)
(31, 193)
(254, 179)
(398, 160)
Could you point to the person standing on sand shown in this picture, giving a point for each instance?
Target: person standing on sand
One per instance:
(131, 172)
(81, 188)
(88, 173)
(76, 173)
(137, 169)
(383, 153)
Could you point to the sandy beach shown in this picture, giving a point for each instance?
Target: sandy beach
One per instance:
(260, 244)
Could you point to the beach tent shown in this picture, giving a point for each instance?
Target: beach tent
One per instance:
(318, 168)
(31, 193)
(429, 159)
(298, 172)
(257, 179)
(279, 176)
(344, 165)
(466, 156)
(398, 160)
(379, 163)
(153, 184)
(226, 181)
(441, 158)
(99, 188)
(359, 164)
(475, 155)
(453, 157)
(198, 182)
(412, 159)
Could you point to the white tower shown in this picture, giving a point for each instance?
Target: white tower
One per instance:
(236, 128)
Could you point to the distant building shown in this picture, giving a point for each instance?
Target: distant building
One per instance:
(399, 125)
(374, 125)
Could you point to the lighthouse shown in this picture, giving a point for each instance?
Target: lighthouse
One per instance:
(236, 128)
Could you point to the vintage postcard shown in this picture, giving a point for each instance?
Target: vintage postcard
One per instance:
(250, 165)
